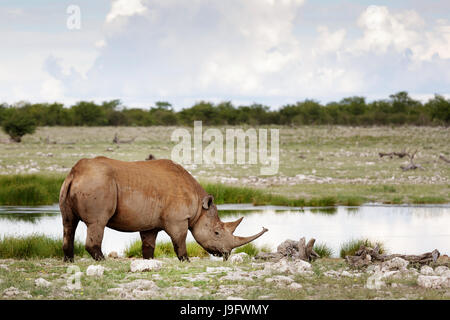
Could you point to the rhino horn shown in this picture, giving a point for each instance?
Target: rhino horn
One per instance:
(231, 226)
(240, 241)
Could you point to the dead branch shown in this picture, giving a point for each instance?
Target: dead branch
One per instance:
(444, 158)
(116, 140)
(410, 166)
(366, 255)
(392, 154)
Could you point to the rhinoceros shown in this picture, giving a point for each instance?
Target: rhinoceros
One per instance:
(144, 197)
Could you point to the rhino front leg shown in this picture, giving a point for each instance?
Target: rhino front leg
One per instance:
(94, 239)
(148, 243)
(178, 236)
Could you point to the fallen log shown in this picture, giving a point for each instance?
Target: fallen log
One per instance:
(292, 249)
(444, 158)
(366, 255)
(392, 154)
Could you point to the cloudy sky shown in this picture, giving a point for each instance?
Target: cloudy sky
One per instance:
(267, 51)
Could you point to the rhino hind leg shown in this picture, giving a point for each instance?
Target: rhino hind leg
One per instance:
(148, 243)
(94, 239)
(70, 223)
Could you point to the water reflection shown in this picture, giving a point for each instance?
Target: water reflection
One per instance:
(403, 229)
(331, 210)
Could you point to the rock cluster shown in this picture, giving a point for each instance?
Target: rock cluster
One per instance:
(436, 279)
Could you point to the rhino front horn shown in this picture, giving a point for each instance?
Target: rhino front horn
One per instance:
(240, 241)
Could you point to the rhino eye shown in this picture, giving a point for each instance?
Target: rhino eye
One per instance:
(217, 233)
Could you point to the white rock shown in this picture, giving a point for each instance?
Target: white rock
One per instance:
(442, 271)
(113, 255)
(295, 286)
(393, 274)
(395, 264)
(95, 271)
(285, 266)
(41, 282)
(236, 259)
(217, 269)
(145, 265)
(279, 280)
(346, 274)
(427, 271)
(140, 284)
(12, 292)
(300, 266)
(435, 282)
(235, 298)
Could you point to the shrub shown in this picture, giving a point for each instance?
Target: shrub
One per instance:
(19, 124)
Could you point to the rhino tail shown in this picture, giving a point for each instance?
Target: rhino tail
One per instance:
(64, 204)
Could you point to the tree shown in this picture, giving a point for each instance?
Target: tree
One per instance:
(19, 124)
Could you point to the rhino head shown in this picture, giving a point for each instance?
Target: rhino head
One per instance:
(215, 236)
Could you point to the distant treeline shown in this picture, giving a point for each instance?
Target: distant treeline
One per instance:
(399, 109)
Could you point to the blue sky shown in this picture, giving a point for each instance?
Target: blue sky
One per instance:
(266, 51)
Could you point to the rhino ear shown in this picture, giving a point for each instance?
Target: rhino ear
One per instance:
(207, 201)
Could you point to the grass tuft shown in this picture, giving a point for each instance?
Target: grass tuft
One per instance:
(350, 247)
(323, 250)
(249, 249)
(164, 249)
(35, 246)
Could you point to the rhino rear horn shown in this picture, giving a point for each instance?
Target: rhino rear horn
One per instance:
(231, 226)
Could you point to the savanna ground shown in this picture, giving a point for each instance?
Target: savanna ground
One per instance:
(315, 161)
(202, 279)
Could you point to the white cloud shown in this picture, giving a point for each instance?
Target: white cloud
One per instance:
(248, 51)
(404, 32)
(329, 41)
(52, 90)
(125, 8)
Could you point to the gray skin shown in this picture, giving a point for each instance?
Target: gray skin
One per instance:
(144, 197)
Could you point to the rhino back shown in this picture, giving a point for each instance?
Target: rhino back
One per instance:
(151, 194)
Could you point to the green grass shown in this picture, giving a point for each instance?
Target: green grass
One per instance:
(323, 250)
(350, 247)
(249, 249)
(35, 246)
(43, 190)
(164, 249)
(29, 189)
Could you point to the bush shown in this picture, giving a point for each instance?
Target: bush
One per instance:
(19, 124)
